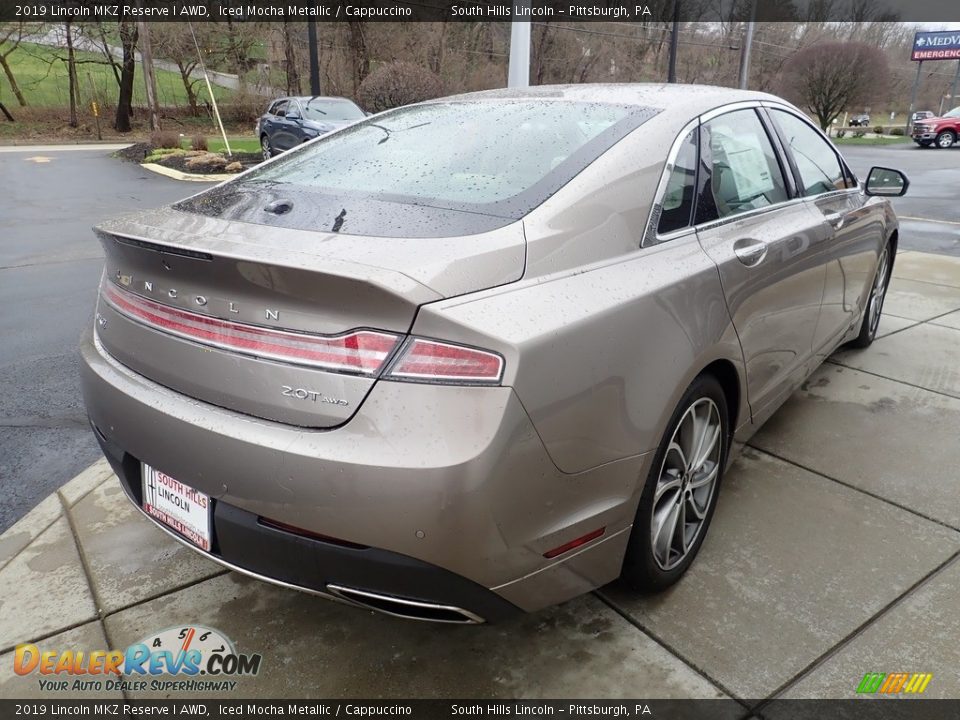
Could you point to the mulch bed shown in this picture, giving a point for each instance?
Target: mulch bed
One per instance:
(139, 151)
(179, 162)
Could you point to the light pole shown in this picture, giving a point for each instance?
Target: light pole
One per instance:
(518, 74)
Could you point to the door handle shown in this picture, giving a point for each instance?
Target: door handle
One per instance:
(836, 219)
(750, 252)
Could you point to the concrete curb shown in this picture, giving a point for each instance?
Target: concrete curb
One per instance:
(191, 177)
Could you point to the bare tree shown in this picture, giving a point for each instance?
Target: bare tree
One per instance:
(173, 42)
(128, 68)
(10, 37)
(830, 77)
(360, 57)
(291, 69)
(71, 72)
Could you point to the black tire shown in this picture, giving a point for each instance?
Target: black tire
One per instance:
(878, 293)
(642, 568)
(925, 143)
(266, 148)
(945, 139)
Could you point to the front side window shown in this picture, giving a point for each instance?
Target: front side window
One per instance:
(817, 162)
(676, 207)
(744, 172)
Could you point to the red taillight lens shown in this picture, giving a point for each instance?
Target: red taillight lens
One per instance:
(432, 361)
(361, 351)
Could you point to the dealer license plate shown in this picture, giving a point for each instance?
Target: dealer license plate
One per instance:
(177, 506)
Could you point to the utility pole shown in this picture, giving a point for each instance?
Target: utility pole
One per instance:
(674, 39)
(314, 58)
(518, 74)
(747, 46)
(146, 57)
(913, 97)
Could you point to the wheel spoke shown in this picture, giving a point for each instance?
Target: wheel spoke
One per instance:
(704, 477)
(671, 480)
(711, 435)
(682, 527)
(664, 530)
(674, 449)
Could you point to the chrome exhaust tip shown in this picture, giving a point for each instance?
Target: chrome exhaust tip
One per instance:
(409, 609)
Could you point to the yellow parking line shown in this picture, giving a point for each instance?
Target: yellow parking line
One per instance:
(944, 222)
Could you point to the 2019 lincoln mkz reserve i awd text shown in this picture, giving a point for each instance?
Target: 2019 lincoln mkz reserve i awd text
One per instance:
(484, 353)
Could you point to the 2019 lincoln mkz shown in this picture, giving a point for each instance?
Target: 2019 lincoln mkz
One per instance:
(485, 353)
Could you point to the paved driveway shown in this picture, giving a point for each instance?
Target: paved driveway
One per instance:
(833, 553)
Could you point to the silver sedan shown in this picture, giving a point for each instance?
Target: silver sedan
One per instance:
(479, 355)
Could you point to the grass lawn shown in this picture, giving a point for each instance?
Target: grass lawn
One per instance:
(237, 144)
(42, 78)
(882, 140)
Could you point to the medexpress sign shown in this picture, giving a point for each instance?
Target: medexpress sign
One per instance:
(942, 45)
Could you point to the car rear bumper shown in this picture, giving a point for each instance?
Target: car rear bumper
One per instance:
(440, 499)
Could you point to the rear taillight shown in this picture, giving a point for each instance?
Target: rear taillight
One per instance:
(364, 352)
(360, 351)
(431, 361)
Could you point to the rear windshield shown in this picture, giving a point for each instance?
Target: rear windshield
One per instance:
(330, 110)
(496, 159)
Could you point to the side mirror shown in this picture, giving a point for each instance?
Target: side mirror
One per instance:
(887, 182)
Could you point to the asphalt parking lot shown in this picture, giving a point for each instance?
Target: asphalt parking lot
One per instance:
(834, 551)
(50, 264)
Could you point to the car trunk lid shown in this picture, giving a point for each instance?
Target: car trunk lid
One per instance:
(183, 294)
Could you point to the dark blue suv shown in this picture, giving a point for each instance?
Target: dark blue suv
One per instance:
(290, 121)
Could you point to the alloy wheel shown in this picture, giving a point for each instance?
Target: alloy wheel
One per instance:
(879, 291)
(686, 483)
(265, 147)
(945, 139)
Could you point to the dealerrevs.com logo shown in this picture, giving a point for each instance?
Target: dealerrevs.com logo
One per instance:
(193, 658)
(894, 683)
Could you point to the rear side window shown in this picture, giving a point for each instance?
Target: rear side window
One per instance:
(744, 171)
(816, 160)
(676, 208)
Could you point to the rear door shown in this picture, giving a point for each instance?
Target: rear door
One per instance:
(849, 236)
(764, 241)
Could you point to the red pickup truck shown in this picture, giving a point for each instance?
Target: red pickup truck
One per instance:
(940, 131)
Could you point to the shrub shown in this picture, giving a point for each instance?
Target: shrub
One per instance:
(165, 139)
(841, 132)
(878, 129)
(897, 131)
(199, 142)
(398, 83)
(245, 108)
(859, 133)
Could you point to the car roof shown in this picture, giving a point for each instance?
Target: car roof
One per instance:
(690, 100)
